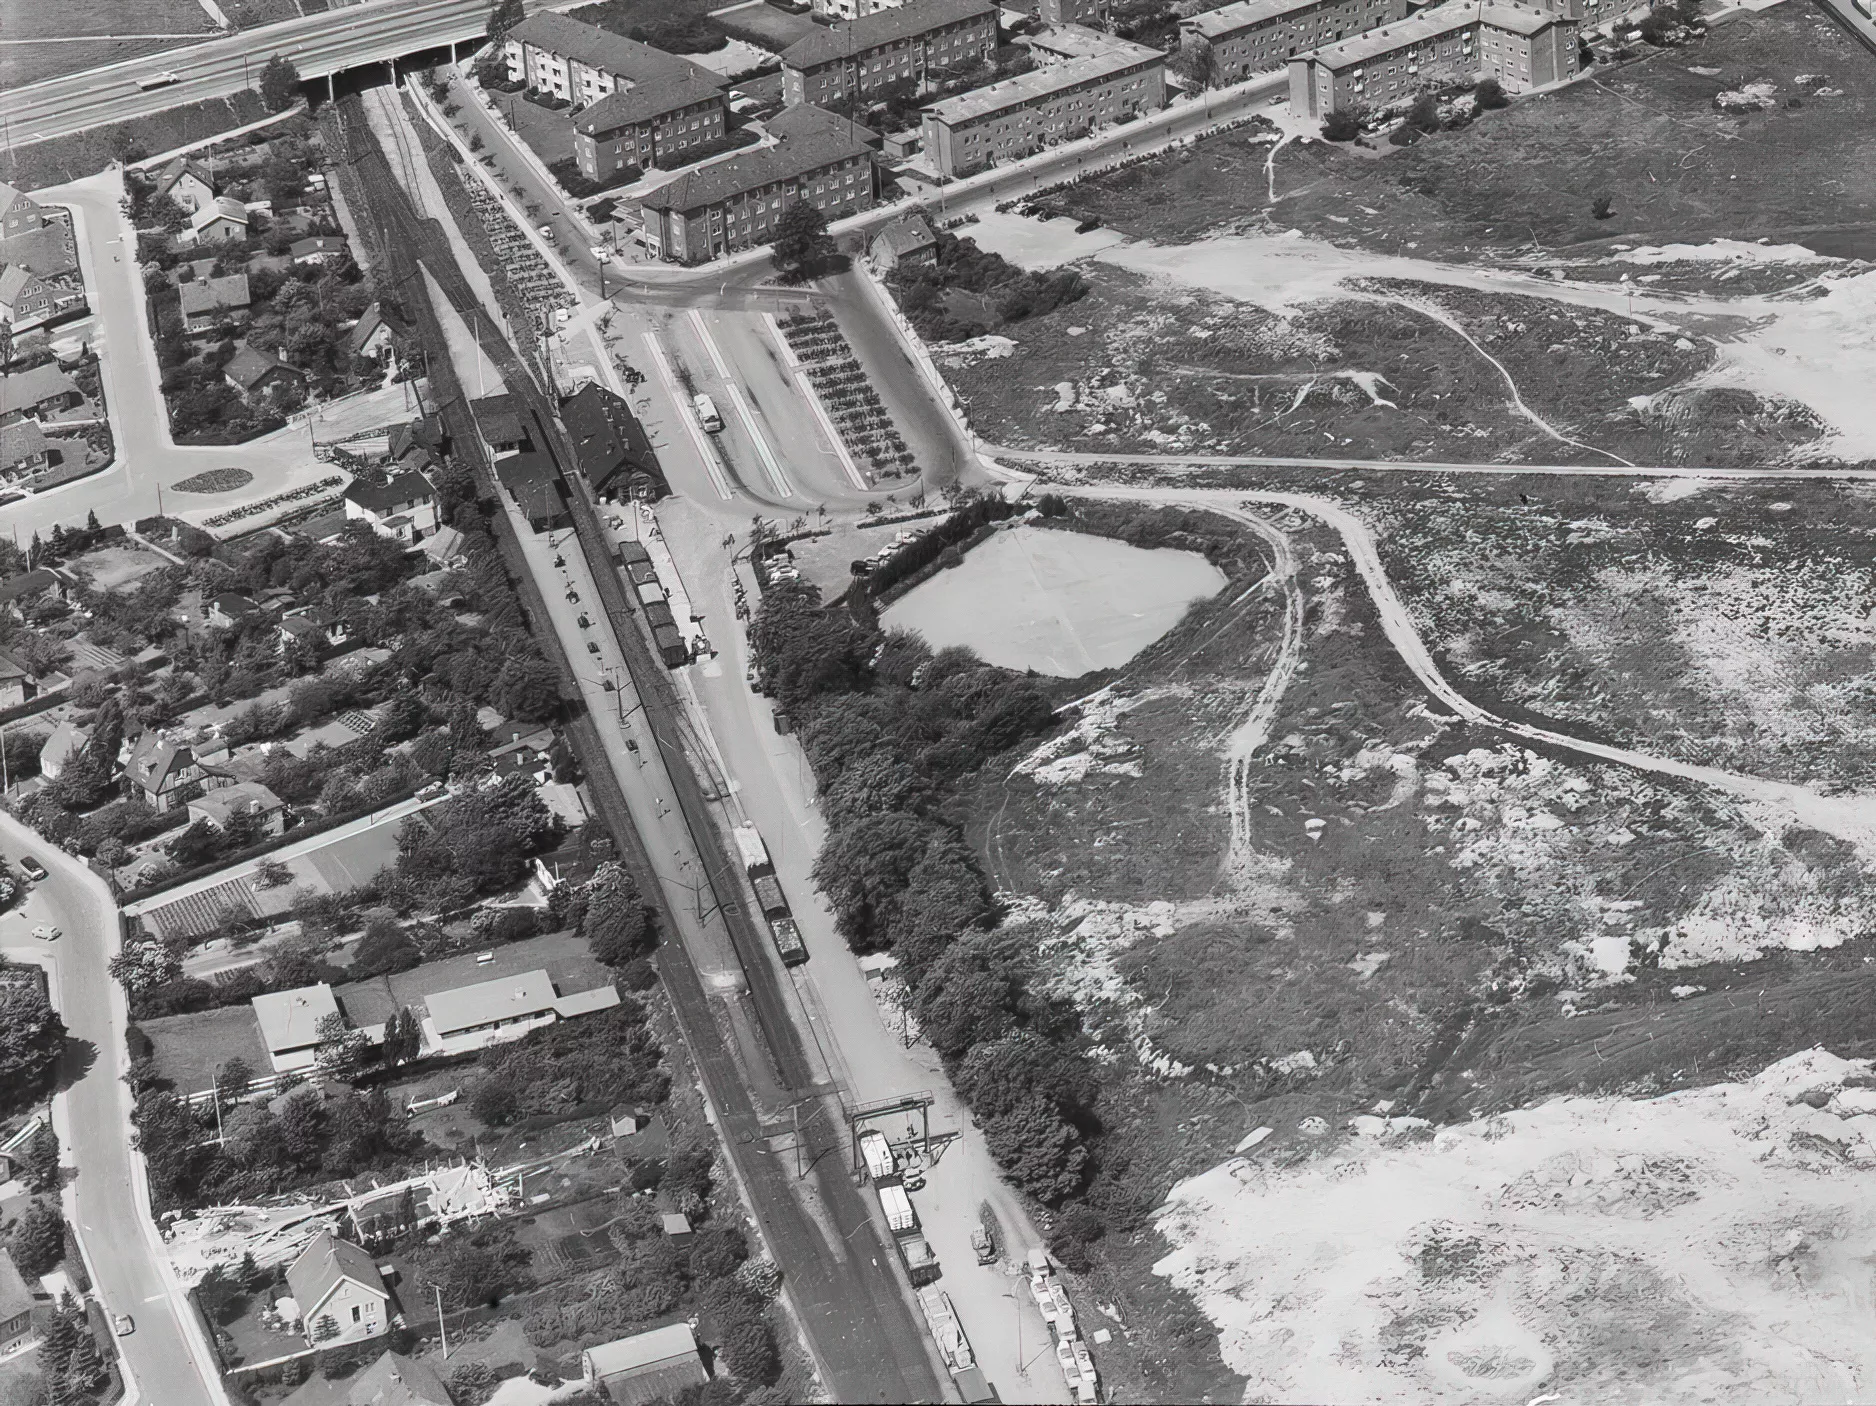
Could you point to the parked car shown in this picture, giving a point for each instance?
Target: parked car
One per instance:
(123, 1325)
(47, 934)
(32, 868)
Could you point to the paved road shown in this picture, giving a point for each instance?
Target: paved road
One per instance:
(148, 462)
(166, 1354)
(319, 45)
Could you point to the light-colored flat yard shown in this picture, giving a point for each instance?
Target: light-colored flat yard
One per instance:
(118, 568)
(1061, 603)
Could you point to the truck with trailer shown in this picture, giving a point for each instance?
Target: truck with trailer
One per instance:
(783, 930)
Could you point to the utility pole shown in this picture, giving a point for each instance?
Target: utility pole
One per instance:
(443, 1328)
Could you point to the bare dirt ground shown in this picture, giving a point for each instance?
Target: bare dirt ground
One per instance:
(1416, 913)
(1581, 1251)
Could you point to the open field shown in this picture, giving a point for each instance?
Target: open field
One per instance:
(1381, 367)
(1580, 1251)
(1724, 623)
(1413, 910)
(1646, 133)
(1060, 603)
(190, 1048)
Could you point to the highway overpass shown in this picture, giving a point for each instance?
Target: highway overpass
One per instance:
(321, 46)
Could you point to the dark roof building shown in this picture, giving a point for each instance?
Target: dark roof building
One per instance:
(206, 303)
(646, 1366)
(498, 417)
(250, 370)
(534, 483)
(889, 47)
(610, 448)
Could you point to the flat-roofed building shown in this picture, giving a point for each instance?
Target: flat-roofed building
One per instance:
(734, 203)
(289, 1022)
(1056, 103)
(888, 47)
(1522, 47)
(1258, 36)
(507, 1008)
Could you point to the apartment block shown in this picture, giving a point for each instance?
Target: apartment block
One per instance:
(887, 47)
(1093, 12)
(638, 105)
(1257, 36)
(1523, 48)
(1055, 103)
(733, 203)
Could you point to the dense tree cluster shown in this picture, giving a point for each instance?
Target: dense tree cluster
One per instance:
(616, 920)
(32, 1037)
(970, 291)
(299, 1138)
(889, 726)
(607, 1058)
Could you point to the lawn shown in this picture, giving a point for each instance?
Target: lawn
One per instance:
(190, 1048)
(1645, 133)
(764, 25)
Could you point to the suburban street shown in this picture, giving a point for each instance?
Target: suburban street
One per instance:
(147, 463)
(108, 1199)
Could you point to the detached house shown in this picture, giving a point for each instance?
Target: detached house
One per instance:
(320, 249)
(23, 450)
(213, 302)
(186, 182)
(17, 1302)
(222, 220)
(315, 627)
(255, 373)
(610, 448)
(19, 212)
(243, 799)
(26, 299)
(36, 394)
(17, 685)
(164, 774)
(334, 1281)
(403, 509)
(375, 335)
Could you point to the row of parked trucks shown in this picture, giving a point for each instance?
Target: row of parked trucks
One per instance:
(1072, 1355)
(783, 929)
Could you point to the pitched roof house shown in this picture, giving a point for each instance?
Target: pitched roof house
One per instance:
(19, 212)
(403, 508)
(334, 1281)
(254, 372)
(208, 303)
(37, 392)
(646, 1366)
(165, 773)
(222, 807)
(222, 220)
(23, 449)
(186, 182)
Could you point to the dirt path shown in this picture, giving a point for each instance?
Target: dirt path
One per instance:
(1253, 731)
(1452, 324)
(1851, 818)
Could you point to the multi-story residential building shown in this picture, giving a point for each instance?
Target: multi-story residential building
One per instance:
(1095, 12)
(651, 124)
(584, 63)
(1256, 36)
(888, 47)
(1523, 48)
(1056, 103)
(734, 203)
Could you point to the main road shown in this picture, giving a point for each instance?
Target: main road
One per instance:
(319, 45)
(168, 1359)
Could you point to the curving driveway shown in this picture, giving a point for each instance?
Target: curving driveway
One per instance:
(107, 1202)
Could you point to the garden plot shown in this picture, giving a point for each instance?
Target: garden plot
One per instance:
(1597, 1250)
(1731, 627)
